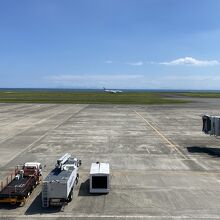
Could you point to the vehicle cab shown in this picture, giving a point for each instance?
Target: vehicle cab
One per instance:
(32, 168)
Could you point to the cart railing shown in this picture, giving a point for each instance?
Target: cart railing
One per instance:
(7, 180)
(17, 189)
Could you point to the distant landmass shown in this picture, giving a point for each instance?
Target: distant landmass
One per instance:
(101, 90)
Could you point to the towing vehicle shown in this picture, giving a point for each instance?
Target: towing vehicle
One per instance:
(20, 184)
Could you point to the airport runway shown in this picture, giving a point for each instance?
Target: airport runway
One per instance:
(162, 165)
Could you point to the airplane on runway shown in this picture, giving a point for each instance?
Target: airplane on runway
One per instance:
(112, 91)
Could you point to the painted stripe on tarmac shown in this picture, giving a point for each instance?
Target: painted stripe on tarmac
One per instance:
(161, 135)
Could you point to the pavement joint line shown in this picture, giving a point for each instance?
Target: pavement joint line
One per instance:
(42, 136)
(27, 113)
(40, 121)
(161, 135)
(156, 172)
(70, 215)
(10, 107)
(170, 172)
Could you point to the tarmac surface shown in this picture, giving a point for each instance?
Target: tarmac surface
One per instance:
(162, 165)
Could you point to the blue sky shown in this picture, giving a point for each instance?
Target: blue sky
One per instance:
(136, 44)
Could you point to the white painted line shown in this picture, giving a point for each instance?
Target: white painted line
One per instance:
(26, 117)
(38, 107)
(41, 137)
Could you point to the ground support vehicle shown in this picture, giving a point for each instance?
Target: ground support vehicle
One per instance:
(18, 187)
(99, 178)
(58, 185)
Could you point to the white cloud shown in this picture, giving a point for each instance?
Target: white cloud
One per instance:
(136, 81)
(109, 61)
(139, 63)
(151, 62)
(195, 81)
(191, 61)
(95, 81)
(187, 61)
(94, 77)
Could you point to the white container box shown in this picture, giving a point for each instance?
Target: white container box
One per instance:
(99, 178)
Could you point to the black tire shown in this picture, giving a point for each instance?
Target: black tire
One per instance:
(23, 203)
(77, 179)
(70, 197)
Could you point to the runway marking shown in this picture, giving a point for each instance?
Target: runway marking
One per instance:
(161, 135)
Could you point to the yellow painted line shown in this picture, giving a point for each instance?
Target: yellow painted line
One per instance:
(161, 135)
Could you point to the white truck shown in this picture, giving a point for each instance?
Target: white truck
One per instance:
(99, 178)
(58, 185)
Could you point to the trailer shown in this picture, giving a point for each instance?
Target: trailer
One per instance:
(99, 178)
(20, 184)
(58, 185)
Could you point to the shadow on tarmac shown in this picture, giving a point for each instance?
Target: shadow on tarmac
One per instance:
(8, 206)
(36, 207)
(215, 152)
(84, 190)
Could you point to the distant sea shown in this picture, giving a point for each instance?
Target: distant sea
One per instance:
(101, 90)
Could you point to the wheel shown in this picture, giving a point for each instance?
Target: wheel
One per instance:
(70, 197)
(23, 203)
(13, 203)
(28, 194)
(77, 179)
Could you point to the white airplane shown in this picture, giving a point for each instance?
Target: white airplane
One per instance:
(111, 91)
